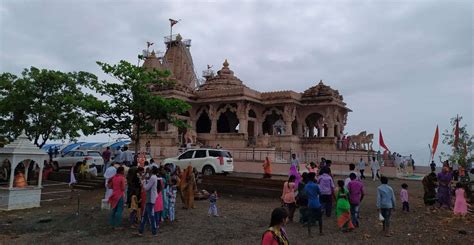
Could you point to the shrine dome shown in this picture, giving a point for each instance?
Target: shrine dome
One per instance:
(224, 79)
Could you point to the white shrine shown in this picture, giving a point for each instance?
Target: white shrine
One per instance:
(21, 151)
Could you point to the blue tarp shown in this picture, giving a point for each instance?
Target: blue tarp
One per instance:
(119, 144)
(71, 147)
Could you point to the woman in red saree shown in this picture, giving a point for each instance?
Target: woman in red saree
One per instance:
(116, 200)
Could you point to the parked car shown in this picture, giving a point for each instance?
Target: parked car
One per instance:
(73, 157)
(208, 161)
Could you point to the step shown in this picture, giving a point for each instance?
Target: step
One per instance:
(84, 187)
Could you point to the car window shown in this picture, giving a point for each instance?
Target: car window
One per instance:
(69, 154)
(213, 153)
(200, 154)
(93, 153)
(78, 154)
(186, 155)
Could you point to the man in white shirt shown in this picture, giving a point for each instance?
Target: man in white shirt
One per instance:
(352, 170)
(361, 167)
(126, 157)
(109, 173)
(375, 167)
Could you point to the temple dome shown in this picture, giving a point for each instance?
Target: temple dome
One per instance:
(224, 79)
(322, 90)
(152, 62)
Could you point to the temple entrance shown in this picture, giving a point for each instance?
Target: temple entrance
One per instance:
(203, 124)
(227, 122)
(268, 124)
(294, 127)
(251, 129)
(313, 122)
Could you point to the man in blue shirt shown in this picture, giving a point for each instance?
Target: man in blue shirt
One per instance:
(385, 203)
(314, 206)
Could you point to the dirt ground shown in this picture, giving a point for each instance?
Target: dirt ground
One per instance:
(242, 221)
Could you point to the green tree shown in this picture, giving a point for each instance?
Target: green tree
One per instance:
(46, 104)
(458, 153)
(130, 106)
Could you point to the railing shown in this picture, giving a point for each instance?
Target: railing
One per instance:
(304, 156)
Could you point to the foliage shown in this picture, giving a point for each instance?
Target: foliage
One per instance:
(458, 153)
(46, 104)
(131, 107)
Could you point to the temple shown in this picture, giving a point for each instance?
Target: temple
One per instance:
(227, 112)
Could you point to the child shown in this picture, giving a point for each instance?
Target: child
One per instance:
(385, 203)
(172, 199)
(343, 208)
(134, 210)
(213, 206)
(460, 205)
(404, 197)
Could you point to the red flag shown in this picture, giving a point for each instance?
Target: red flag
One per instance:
(173, 22)
(381, 143)
(456, 133)
(435, 143)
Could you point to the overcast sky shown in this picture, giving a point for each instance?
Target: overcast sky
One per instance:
(402, 66)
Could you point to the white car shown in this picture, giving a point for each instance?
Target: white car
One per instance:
(208, 161)
(73, 157)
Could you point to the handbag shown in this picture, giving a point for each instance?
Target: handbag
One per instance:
(381, 218)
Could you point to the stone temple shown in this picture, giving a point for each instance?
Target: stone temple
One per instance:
(227, 112)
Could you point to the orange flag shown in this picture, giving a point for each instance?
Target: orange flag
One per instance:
(435, 143)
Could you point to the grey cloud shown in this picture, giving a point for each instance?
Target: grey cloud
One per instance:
(402, 66)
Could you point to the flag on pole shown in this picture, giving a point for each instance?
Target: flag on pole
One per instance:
(456, 133)
(435, 143)
(72, 178)
(173, 22)
(381, 143)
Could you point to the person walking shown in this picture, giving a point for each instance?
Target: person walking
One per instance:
(117, 183)
(150, 188)
(106, 154)
(356, 194)
(288, 196)
(314, 206)
(361, 166)
(326, 184)
(375, 167)
(295, 162)
(126, 157)
(444, 188)
(385, 203)
(267, 168)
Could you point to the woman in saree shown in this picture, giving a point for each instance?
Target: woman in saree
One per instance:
(343, 207)
(182, 186)
(117, 183)
(444, 188)
(294, 172)
(190, 187)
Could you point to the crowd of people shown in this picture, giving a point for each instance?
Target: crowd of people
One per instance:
(314, 191)
(149, 192)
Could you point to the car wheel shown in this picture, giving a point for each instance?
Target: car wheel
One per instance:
(208, 170)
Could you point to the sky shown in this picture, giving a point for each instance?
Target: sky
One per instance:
(402, 66)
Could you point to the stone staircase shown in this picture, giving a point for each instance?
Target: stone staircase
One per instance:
(83, 184)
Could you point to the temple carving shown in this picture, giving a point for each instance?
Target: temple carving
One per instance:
(227, 112)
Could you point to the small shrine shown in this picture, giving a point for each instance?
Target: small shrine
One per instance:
(18, 157)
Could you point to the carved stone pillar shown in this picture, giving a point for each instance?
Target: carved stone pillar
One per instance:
(243, 124)
(213, 117)
(288, 128)
(331, 129)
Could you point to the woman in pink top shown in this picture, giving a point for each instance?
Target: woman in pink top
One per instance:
(288, 196)
(116, 200)
(460, 205)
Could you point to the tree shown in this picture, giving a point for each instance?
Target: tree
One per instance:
(458, 154)
(130, 106)
(46, 104)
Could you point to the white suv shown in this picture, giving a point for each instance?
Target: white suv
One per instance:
(208, 161)
(73, 157)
